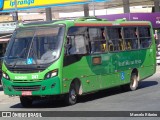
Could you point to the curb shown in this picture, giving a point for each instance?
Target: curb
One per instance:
(1, 88)
(1, 93)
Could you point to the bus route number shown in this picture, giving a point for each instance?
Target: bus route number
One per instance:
(34, 76)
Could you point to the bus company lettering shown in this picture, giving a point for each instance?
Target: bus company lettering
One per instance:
(21, 2)
(158, 22)
(127, 62)
(20, 77)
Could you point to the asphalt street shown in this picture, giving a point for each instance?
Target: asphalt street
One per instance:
(145, 98)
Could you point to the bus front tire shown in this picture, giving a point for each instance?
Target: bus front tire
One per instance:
(71, 97)
(26, 101)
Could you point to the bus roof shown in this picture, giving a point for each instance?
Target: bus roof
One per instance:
(88, 21)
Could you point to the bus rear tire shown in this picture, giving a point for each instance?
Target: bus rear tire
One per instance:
(132, 85)
(26, 101)
(71, 97)
(134, 82)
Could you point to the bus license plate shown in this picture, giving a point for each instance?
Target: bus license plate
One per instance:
(26, 93)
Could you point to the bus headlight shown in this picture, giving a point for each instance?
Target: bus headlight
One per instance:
(5, 75)
(51, 74)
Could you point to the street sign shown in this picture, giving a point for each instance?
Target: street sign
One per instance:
(7, 27)
(9, 5)
(1, 4)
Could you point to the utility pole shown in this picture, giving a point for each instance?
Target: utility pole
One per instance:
(93, 5)
(15, 13)
(86, 10)
(48, 14)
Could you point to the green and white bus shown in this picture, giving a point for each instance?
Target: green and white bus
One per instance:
(74, 57)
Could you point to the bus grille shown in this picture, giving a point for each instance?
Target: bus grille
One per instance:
(27, 88)
(26, 81)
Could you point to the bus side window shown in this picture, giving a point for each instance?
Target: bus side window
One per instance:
(77, 41)
(131, 38)
(111, 46)
(77, 45)
(97, 40)
(115, 42)
(121, 45)
(145, 37)
(80, 44)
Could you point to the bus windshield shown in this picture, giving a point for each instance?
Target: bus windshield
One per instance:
(34, 46)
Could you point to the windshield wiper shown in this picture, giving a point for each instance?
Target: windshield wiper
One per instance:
(35, 55)
(31, 45)
(17, 59)
(31, 49)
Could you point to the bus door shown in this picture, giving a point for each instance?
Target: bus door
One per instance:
(77, 59)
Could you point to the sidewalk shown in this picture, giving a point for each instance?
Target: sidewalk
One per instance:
(1, 90)
(158, 68)
(1, 93)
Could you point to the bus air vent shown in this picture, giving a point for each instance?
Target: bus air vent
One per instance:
(27, 88)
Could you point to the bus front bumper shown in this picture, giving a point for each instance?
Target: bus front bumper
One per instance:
(43, 88)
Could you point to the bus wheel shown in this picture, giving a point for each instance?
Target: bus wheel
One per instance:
(71, 97)
(26, 101)
(133, 82)
(132, 85)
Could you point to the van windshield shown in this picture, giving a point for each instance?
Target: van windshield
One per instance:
(34, 46)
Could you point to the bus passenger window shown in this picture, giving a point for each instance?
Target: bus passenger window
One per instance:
(80, 44)
(131, 38)
(111, 46)
(77, 45)
(115, 42)
(97, 40)
(121, 45)
(145, 37)
(77, 39)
